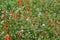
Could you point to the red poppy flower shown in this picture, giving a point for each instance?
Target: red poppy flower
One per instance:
(27, 2)
(46, 13)
(44, 32)
(5, 27)
(12, 13)
(7, 37)
(50, 21)
(19, 33)
(4, 11)
(26, 17)
(32, 19)
(59, 33)
(19, 2)
(29, 9)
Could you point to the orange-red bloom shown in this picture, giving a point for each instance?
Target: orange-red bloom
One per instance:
(50, 21)
(26, 17)
(46, 13)
(59, 33)
(5, 27)
(27, 2)
(4, 11)
(12, 13)
(44, 32)
(7, 37)
(20, 2)
(29, 9)
(19, 33)
(32, 19)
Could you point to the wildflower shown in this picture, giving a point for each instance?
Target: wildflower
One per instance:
(27, 2)
(44, 32)
(29, 9)
(43, 24)
(19, 2)
(12, 14)
(26, 17)
(5, 27)
(58, 33)
(5, 11)
(7, 37)
(19, 33)
(32, 19)
(50, 21)
(46, 13)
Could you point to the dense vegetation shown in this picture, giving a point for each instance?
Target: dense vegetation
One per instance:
(29, 19)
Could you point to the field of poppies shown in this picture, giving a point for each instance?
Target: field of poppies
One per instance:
(29, 19)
